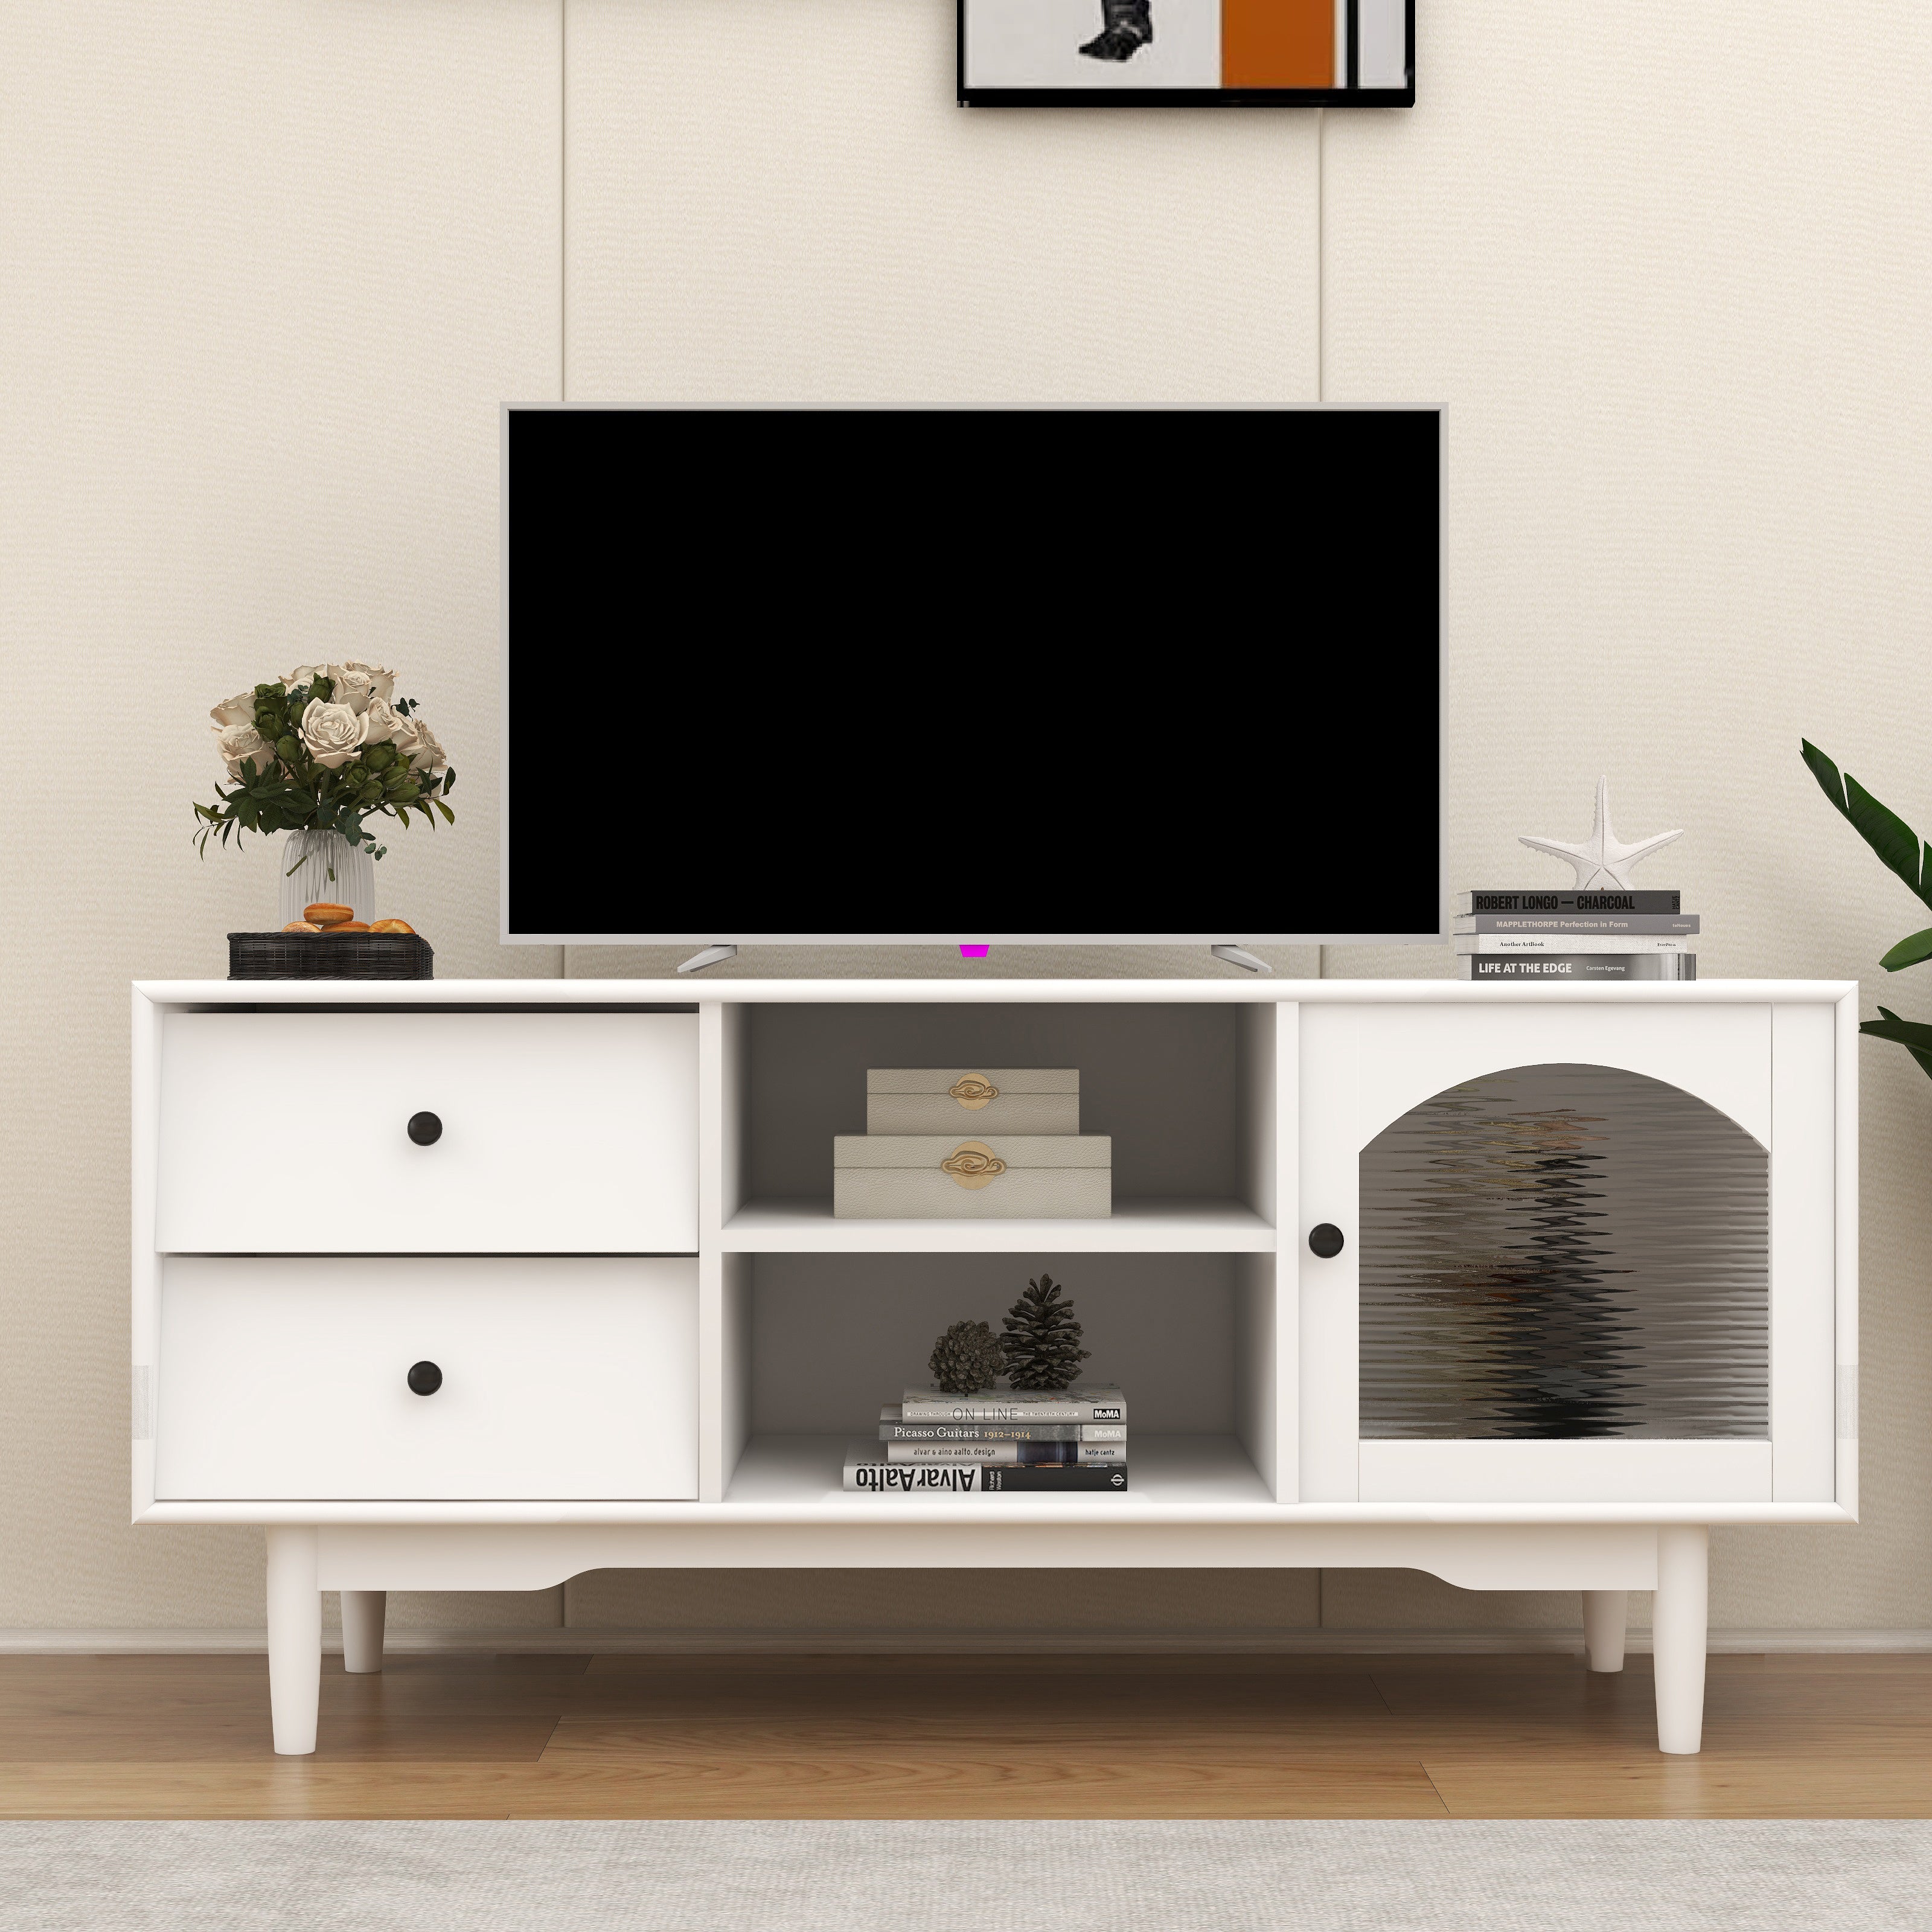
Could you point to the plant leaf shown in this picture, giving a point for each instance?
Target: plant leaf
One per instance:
(1913, 1035)
(1830, 781)
(1908, 952)
(1898, 846)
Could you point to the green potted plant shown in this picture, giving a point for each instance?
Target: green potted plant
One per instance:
(1905, 853)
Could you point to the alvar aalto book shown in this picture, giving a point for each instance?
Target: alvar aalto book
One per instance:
(868, 1472)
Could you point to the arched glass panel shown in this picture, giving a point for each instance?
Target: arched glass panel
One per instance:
(1565, 1251)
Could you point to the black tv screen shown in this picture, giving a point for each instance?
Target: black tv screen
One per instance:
(982, 677)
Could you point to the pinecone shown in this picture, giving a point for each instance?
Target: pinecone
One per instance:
(967, 1357)
(1043, 1340)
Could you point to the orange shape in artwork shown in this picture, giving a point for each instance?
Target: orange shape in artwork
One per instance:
(1277, 42)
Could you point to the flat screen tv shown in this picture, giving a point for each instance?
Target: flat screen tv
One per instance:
(976, 677)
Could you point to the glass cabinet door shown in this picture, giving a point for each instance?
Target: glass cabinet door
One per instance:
(1555, 1279)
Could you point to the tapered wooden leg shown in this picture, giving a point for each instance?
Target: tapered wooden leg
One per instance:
(1679, 1626)
(294, 1639)
(362, 1630)
(1605, 1612)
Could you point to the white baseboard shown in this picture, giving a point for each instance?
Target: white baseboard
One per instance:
(579, 1641)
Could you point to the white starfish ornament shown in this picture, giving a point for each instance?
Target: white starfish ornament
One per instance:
(1601, 860)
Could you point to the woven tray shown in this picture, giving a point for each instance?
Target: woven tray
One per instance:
(315, 956)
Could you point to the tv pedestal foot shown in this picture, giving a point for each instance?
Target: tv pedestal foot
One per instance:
(712, 955)
(294, 1639)
(1236, 955)
(1605, 1612)
(1679, 1628)
(362, 1615)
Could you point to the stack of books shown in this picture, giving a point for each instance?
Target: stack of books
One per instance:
(1592, 935)
(997, 1441)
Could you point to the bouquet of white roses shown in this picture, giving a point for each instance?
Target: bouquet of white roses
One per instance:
(325, 749)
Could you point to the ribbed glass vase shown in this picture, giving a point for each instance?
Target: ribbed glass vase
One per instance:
(326, 866)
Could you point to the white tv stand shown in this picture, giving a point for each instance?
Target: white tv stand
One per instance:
(603, 1213)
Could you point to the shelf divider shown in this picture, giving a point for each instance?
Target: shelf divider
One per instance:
(1141, 1227)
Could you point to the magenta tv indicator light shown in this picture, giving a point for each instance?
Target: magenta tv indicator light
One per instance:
(974, 952)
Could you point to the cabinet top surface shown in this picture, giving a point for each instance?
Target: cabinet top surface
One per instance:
(688, 994)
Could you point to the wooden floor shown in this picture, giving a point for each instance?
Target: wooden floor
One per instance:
(634, 1737)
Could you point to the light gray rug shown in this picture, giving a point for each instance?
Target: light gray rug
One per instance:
(968, 1877)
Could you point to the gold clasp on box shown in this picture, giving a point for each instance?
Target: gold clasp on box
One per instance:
(973, 1164)
(974, 1091)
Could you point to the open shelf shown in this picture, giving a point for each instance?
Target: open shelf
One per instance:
(1146, 1227)
(1184, 1474)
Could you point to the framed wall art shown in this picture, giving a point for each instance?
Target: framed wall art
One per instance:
(1187, 53)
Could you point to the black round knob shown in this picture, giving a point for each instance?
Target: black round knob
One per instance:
(425, 1378)
(425, 1130)
(1325, 1240)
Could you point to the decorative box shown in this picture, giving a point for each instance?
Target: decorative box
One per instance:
(963, 1177)
(953, 1100)
(342, 955)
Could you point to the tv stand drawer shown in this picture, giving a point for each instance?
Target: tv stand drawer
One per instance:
(289, 1378)
(428, 1133)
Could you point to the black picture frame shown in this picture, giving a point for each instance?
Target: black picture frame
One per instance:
(1352, 94)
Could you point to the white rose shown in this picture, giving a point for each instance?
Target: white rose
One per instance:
(238, 741)
(381, 721)
(352, 687)
(305, 674)
(333, 733)
(371, 678)
(415, 741)
(239, 710)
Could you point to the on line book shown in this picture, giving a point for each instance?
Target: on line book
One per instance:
(1102, 1404)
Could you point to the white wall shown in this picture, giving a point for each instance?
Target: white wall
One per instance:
(266, 270)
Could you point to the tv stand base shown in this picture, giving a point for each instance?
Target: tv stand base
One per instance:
(1605, 1561)
(1236, 956)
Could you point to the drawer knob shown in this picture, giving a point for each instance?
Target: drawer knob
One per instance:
(425, 1130)
(425, 1378)
(1325, 1240)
